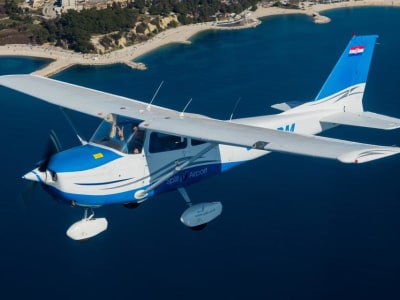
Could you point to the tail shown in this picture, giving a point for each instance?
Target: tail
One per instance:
(340, 98)
(346, 84)
(349, 76)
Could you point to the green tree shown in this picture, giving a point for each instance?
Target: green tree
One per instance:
(39, 35)
(76, 28)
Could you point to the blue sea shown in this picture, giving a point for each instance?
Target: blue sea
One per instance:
(292, 227)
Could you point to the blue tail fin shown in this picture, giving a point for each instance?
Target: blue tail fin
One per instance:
(352, 67)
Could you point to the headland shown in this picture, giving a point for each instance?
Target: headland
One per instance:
(63, 59)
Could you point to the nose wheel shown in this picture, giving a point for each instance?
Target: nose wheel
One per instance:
(88, 227)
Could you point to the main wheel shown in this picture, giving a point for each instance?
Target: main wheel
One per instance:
(131, 205)
(199, 227)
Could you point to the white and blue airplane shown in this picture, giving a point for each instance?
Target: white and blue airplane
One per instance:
(141, 150)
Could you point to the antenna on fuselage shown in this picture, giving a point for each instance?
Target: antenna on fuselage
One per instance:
(155, 95)
(186, 106)
(234, 108)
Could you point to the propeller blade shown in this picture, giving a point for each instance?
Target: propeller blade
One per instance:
(25, 195)
(53, 147)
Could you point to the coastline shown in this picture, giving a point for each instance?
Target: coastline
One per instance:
(63, 59)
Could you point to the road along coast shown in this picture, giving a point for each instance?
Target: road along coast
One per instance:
(63, 59)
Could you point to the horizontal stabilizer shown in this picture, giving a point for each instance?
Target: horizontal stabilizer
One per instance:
(363, 119)
(286, 105)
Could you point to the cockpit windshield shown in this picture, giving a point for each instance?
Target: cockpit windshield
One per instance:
(120, 133)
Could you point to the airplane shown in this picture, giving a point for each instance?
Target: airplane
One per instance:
(140, 150)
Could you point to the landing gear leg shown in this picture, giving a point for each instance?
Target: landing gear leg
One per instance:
(189, 203)
(85, 216)
(197, 216)
(185, 196)
(87, 227)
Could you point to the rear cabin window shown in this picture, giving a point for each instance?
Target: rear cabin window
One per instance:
(160, 142)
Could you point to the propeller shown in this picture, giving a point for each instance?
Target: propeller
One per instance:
(53, 147)
(25, 195)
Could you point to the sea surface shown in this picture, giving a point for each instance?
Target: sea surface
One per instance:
(292, 227)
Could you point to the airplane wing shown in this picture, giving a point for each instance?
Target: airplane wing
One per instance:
(230, 133)
(82, 99)
(99, 104)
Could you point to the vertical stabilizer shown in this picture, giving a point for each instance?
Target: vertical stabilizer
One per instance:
(351, 70)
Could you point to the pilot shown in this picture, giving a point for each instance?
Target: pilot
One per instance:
(136, 140)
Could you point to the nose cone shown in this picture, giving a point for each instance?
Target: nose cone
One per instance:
(35, 175)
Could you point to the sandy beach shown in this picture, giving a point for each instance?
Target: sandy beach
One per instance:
(63, 59)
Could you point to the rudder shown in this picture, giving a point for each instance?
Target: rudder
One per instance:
(352, 67)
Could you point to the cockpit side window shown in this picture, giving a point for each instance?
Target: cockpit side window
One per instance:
(160, 142)
(106, 134)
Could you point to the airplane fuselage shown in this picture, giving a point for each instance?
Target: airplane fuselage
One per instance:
(101, 172)
(110, 177)
(95, 174)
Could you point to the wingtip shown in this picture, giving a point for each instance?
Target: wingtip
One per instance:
(367, 155)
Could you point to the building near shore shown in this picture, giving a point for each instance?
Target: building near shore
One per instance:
(69, 4)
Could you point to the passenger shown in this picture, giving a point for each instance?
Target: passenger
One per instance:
(121, 133)
(136, 140)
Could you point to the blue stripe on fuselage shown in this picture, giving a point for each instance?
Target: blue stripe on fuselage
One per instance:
(181, 179)
(94, 200)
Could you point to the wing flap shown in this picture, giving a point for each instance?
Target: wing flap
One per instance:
(363, 119)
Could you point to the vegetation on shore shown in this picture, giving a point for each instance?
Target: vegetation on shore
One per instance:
(118, 25)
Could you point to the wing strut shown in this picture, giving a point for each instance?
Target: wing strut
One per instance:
(144, 193)
(82, 140)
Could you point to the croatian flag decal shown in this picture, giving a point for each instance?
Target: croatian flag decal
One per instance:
(356, 50)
